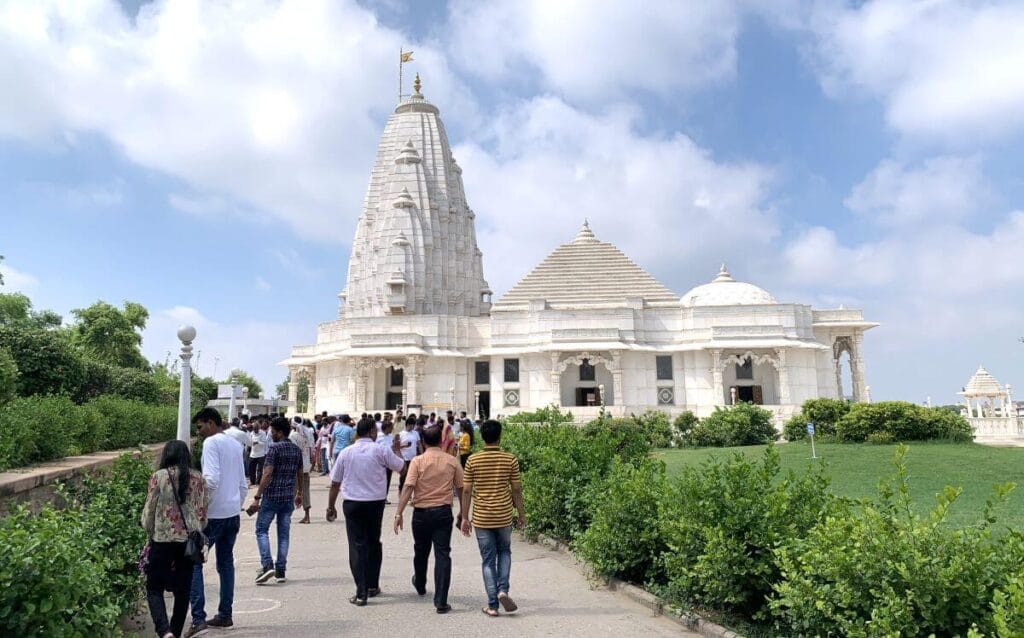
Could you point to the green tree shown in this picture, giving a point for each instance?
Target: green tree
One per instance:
(47, 361)
(111, 335)
(16, 309)
(246, 379)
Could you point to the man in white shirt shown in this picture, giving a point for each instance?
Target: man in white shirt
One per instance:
(224, 475)
(260, 438)
(409, 444)
(302, 437)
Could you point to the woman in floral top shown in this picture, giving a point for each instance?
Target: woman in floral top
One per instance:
(174, 490)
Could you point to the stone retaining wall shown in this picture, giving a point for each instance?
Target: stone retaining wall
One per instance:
(36, 485)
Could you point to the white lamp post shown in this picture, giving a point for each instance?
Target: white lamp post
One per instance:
(186, 334)
(405, 397)
(476, 397)
(231, 401)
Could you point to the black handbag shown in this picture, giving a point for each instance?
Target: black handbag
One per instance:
(195, 544)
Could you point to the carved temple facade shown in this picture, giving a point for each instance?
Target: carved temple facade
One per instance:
(587, 328)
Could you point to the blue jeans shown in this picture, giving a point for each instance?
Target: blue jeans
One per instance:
(220, 534)
(323, 460)
(268, 510)
(496, 552)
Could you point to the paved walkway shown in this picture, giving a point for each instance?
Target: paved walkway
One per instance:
(554, 598)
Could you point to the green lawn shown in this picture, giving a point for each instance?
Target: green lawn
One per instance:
(856, 468)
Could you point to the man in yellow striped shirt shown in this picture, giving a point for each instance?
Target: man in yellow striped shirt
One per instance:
(491, 484)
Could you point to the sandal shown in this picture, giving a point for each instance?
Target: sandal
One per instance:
(493, 613)
(507, 603)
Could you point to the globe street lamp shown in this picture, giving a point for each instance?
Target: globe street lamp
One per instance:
(186, 334)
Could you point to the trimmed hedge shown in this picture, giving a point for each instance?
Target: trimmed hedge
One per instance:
(779, 551)
(73, 572)
(42, 428)
(903, 422)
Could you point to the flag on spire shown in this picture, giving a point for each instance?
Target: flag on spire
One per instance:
(406, 56)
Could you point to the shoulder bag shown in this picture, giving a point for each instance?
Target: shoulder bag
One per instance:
(195, 544)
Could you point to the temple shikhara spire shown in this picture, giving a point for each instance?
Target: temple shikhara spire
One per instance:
(415, 249)
(587, 329)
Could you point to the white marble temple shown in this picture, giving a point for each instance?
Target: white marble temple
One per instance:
(416, 325)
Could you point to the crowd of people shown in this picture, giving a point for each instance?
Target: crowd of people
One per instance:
(189, 511)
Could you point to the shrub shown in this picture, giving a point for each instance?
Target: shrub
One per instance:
(904, 421)
(723, 520)
(880, 570)
(72, 572)
(655, 427)
(561, 465)
(8, 376)
(46, 360)
(881, 438)
(741, 424)
(43, 428)
(824, 413)
(1008, 608)
(548, 414)
(623, 539)
(683, 425)
(795, 427)
(129, 423)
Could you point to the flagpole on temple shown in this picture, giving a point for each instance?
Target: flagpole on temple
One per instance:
(403, 57)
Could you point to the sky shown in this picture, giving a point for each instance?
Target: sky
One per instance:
(209, 159)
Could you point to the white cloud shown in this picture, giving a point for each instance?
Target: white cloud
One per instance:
(944, 70)
(255, 346)
(590, 49)
(661, 198)
(942, 189)
(16, 280)
(274, 105)
(262, 283)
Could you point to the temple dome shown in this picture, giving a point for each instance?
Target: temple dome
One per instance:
(726, 291)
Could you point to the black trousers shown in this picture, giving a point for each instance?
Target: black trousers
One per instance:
(256, 469)
(168, 570)
(432, 526)
(362, 523)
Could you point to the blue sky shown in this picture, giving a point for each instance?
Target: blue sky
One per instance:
(209, 160)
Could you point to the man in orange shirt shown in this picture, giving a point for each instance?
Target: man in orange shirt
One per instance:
(429, 484)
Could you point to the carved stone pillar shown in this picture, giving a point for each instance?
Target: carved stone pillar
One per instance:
(716, 377)
(556, 379)
(784, 391)
(293, 385)
(414, 373)
(859, 374)
(617, 379)
(839, 377)
(311, 400)
(360, 389)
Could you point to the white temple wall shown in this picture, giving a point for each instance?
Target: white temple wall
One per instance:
(700, 393)
(803, 374)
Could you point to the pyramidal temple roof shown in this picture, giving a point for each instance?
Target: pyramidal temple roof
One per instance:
(586, 271)
(982, 383)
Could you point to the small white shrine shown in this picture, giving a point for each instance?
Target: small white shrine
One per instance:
(990, 408)
(586, 328)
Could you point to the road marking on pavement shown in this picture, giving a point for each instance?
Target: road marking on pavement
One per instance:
(274, 604)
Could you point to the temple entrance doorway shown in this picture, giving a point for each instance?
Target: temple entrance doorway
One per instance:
(485, 404)
(588, 396)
